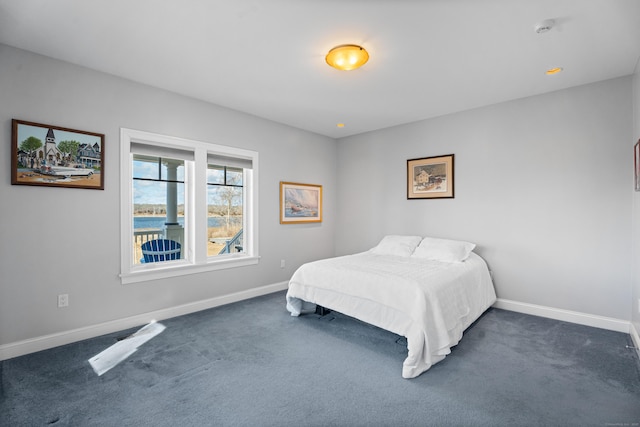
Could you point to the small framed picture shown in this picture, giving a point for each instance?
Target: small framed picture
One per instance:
(54, 156)
(300, 203)
(430, 177)
(636, 164)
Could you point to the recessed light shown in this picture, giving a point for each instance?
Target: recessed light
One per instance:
(340, 125)
(544, 26)
(552, 71)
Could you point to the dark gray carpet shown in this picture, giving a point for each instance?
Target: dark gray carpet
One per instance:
(251, 364)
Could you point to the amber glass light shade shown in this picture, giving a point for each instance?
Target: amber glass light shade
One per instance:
(347, 57)
(552, 71)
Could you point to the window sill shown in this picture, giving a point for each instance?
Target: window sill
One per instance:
(155, 271)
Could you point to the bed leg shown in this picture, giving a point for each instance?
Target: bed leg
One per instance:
(322, 311)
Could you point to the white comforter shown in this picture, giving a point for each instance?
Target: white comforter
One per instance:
(429, 302)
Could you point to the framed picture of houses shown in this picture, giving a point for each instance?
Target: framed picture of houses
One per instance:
(55, 156)
(430, 177)
(300, 203)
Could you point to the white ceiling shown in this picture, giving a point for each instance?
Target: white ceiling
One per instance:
(266, 57)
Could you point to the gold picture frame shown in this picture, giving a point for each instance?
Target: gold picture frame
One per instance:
(300, 203)
(430, 177)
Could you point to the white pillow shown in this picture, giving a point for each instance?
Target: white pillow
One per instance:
(397, 245)
(443, 250)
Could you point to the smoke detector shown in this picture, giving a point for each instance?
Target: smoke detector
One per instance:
(544, 26)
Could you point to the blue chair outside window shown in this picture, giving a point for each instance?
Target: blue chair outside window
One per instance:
(160, 250)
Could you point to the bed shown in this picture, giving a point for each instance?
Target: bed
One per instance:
(426, 289)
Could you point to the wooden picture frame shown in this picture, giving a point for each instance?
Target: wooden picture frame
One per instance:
(430, 177)
(54, 156)
(636, 165)
(300, 203)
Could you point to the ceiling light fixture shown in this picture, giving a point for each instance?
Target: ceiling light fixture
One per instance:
(347, 57)
(552, 71)
(544, 26)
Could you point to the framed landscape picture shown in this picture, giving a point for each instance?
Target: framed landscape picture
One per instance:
(300, 203)
(430, 177)
(54, 156)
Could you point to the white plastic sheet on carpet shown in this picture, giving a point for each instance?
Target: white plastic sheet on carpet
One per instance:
(107, 359)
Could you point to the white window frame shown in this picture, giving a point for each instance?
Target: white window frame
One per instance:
(195, 255)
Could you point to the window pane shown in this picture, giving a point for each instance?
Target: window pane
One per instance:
(149, 167)
(215, 174)
(145, 167)
(234, 176)
(158, 208)
(172, 170)
(225, 221)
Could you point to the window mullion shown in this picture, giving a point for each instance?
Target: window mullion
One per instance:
(199, 187)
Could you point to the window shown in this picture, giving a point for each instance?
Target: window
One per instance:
(225, 201)
(158, 207)
(187, 206)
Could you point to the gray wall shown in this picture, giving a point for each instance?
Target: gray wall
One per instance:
(636, 207)
(542, 185)
(60, 240)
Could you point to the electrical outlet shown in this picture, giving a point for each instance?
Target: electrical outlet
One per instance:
(63, 300)
(281, 263)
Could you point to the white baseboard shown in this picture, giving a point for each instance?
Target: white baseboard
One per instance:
(20, 348)
(565, 315)
(8, 351)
